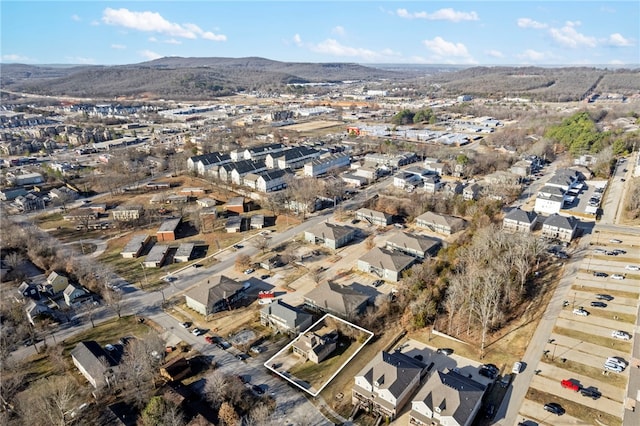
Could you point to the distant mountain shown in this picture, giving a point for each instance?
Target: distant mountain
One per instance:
(183, 78)
(205, 78)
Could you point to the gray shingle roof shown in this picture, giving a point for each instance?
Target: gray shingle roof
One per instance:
(330, 231)
(392, 371)
(218, 288)
(521, 216)
(386, 259)
(336, 298)
(293, 317)
(562, 222)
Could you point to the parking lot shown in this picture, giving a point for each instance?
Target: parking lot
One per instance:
(579, 348)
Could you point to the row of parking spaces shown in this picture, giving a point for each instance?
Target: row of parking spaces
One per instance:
(586, 359)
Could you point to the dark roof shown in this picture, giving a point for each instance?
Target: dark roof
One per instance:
(273, 174)
(336, 298)
(393, 371)
(245, 166)
(521, 216)
(218, 288)
(211, 158)
(295, 152)
(562, 222)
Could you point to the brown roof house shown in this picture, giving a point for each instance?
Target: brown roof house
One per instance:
(440, 223)
(336, 299)
(447, 398)
(314, 347)
(386, 383)
(330, 235)
(285, 318)
(415, 245)
(95, 364)
(384, 263)
(217, 294)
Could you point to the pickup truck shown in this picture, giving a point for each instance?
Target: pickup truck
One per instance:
(568, 384)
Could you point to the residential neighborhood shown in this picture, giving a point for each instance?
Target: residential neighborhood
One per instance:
(319, 261)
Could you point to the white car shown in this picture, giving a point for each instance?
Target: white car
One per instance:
(617, 277)
(517, 367)
(619, 334)
(581, 312)
(613, 367)
(617, 361)
(632, 268)
(615, 241)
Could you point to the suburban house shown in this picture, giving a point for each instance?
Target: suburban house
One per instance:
(386, 383)
(336, 299)
(168, 228)
(183, 254)
(217, 294)
(440, 223)
(404, 180)
(431, 183)
(126, 213)
(368, 173)
(414, 245)
(550, 200)
(322, 165)
(561, 228)
(95, 364)
(233, 224)
(521, 168)
(447, 398)
(57, 282)
(234, 172)
(271, 180)
(256, 221)
(135, 246)
(156, 256)
(314, 347)
(75, 294)
(30, 202)
(35, 309)
(374, 217)
(206, 202)
(235, 205)
(285, 318)
(384, 263)
(292, 158)
(354, 180)
(518, 220)
(260, 152)
(330, 235)
(28, 290)
(471, 192)
(204, 164)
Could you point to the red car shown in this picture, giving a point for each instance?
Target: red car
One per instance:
(568, 384)
(209, 339)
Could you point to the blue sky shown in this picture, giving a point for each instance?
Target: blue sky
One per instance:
(368, 32)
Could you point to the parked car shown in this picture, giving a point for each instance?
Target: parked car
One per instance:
(378, 283)
(580, 311)
(619, 334)
(613, 367)
(249, 271)
(600, 274)
(198, 331)
(257, 389)
(554, 407)
(617, 277)
(590, 392)
(615, 241)
(632, 268)
(445, 351)
(570, 384)
(185, 324)
(237, 246)
(598, 304)
(599, 251)
(489, 374)
(517, 367)
(618, 361)
(506, 380)
(606, 297)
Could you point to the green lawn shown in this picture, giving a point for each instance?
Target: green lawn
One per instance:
(605, 342)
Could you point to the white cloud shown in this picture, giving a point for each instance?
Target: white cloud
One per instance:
(150, 55)
(569, 37)
(532, 55)
(172, 41)
(118, 46)
(297, 40)
(494, 53)
(334, 48)
(153, 39)
(618, 39)
(530, 23)
(16, 58)
(338, 30)
(76, 18)
(154, 22)
(441, 47)
(446, 14)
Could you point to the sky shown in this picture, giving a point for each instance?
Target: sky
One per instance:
(515, 32)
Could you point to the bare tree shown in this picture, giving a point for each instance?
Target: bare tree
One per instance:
(228, 415)
(49, 400)
(243, 261)
(259, 415)
(113, 299)
(261, 242)
(138, 368)
(215, 388)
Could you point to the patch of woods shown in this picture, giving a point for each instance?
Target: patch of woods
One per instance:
(633, 199)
